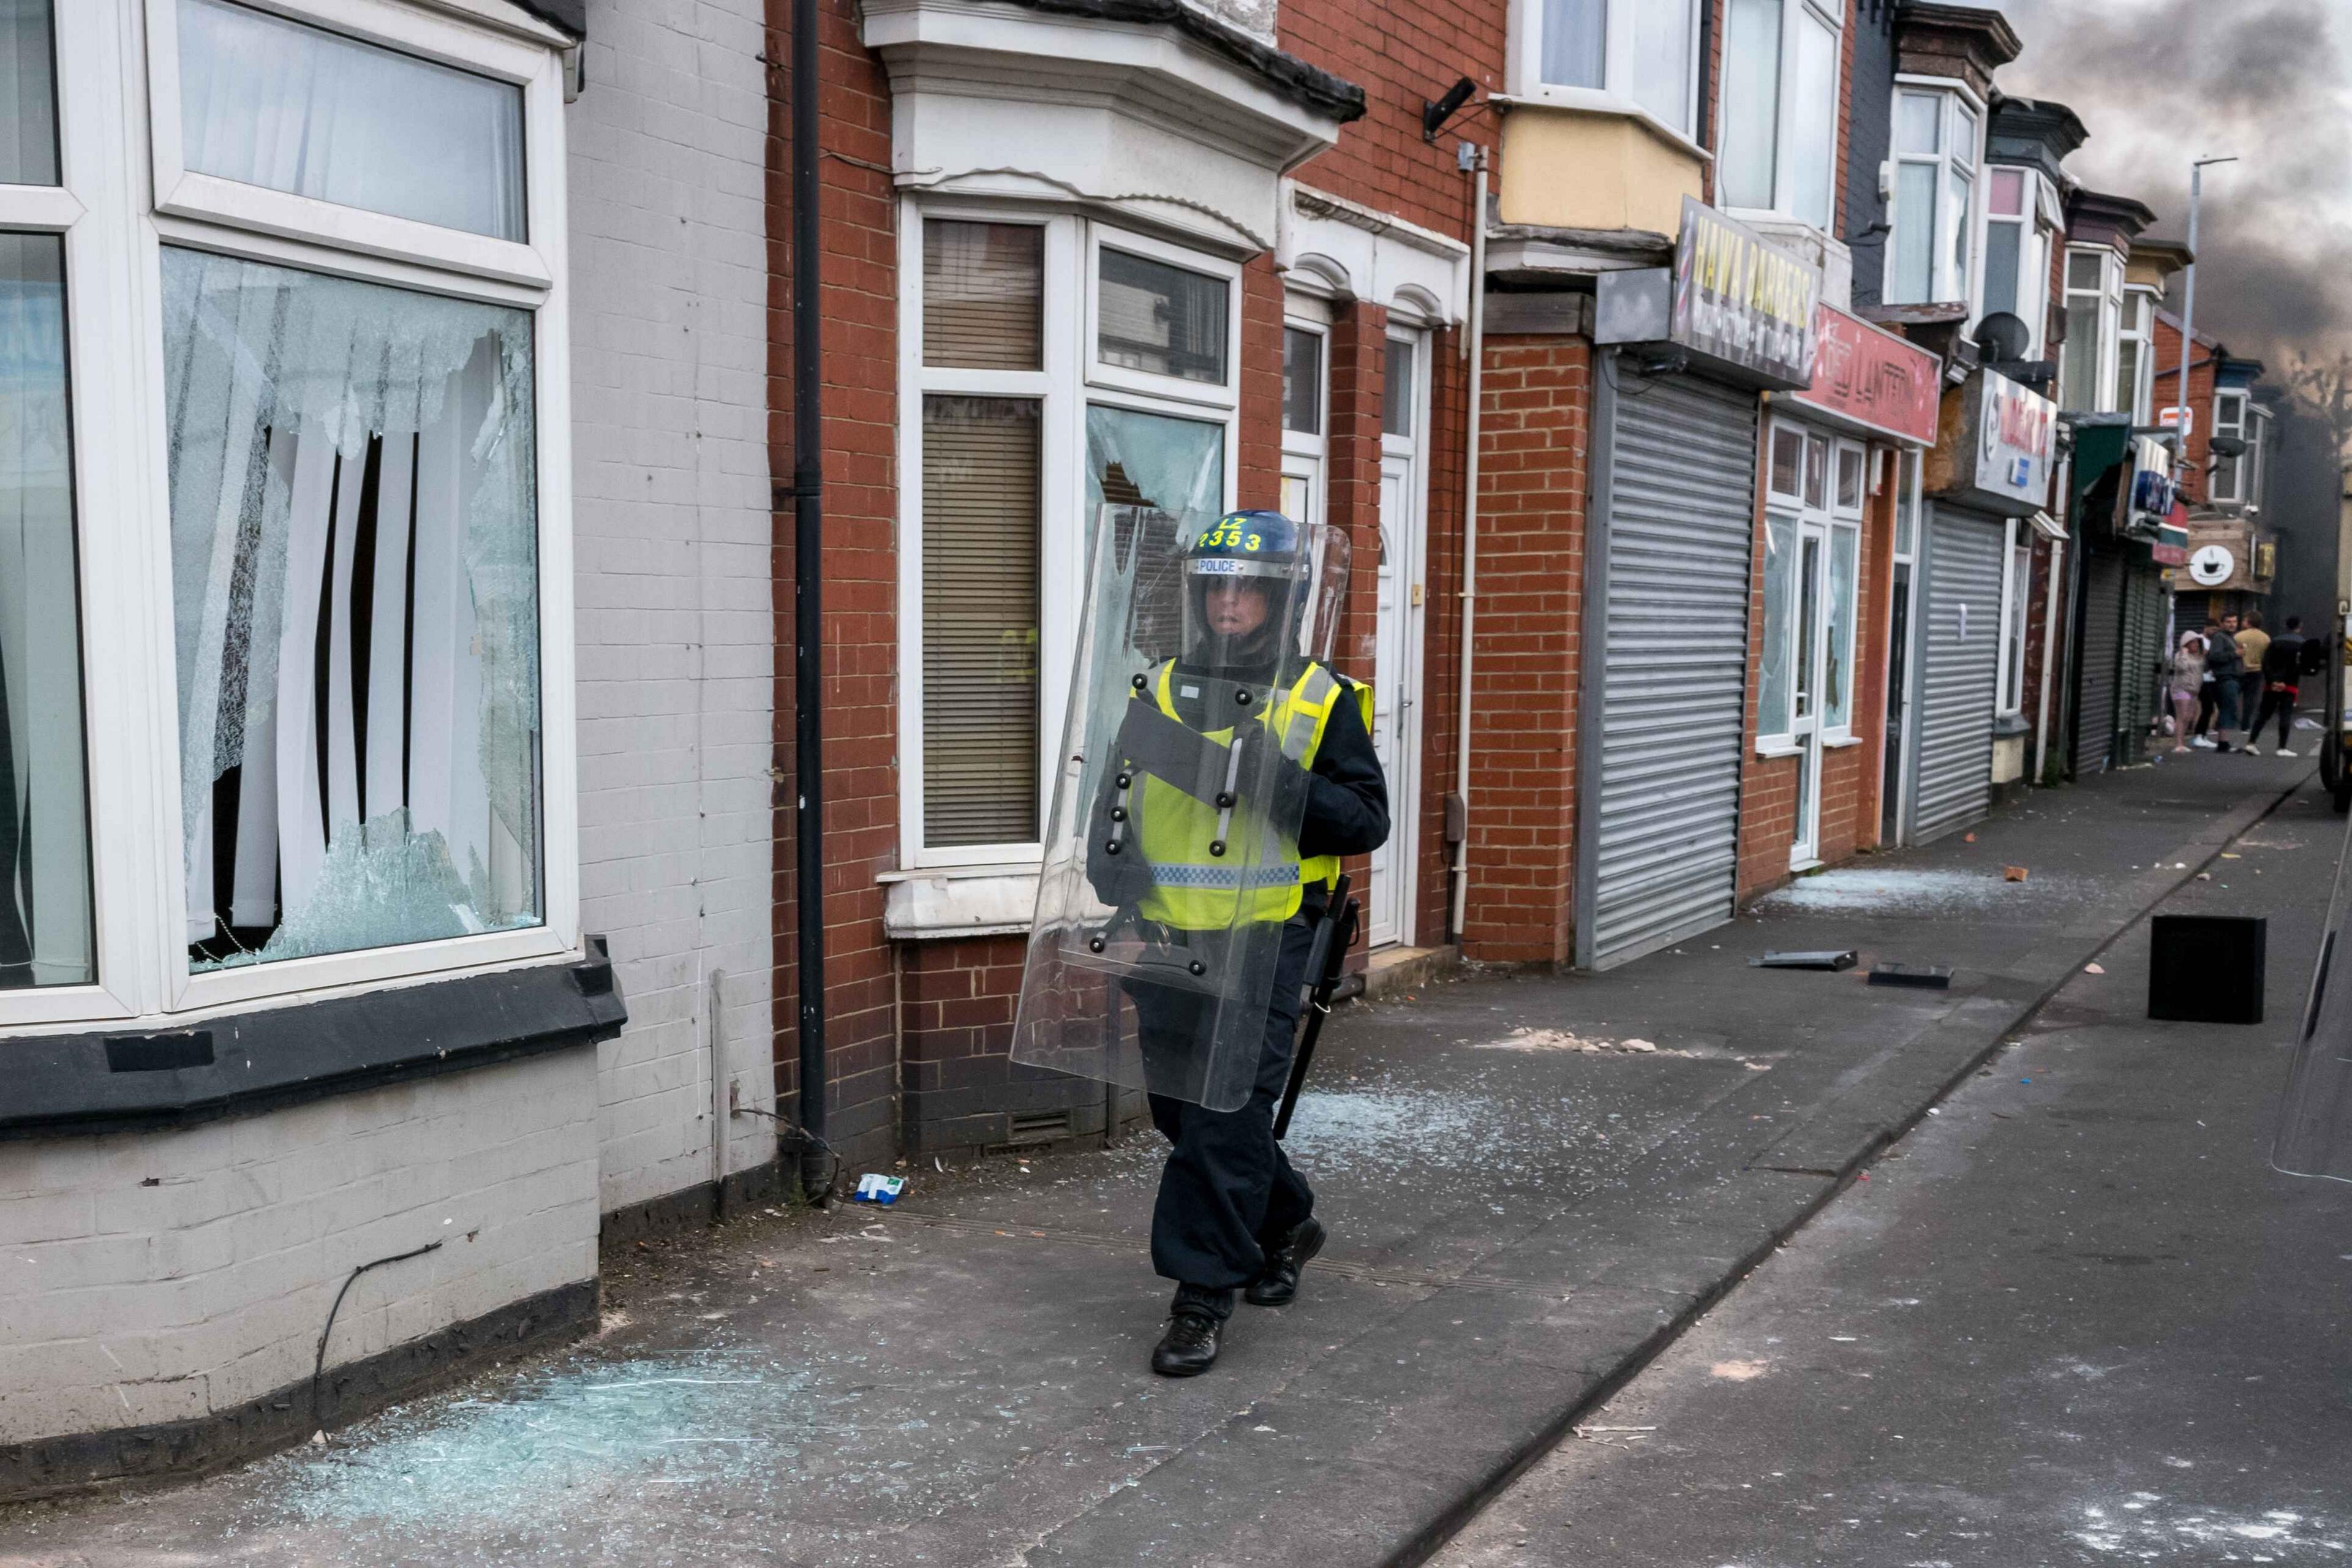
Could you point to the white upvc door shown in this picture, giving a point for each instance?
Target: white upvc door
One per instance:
(1812, 606)
(1397, 639)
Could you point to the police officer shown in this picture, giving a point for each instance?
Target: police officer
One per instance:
(1232, 1214)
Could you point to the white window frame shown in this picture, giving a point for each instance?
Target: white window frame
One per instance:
(1073, 380)
(2034, 242)
(1946, 287)
(1824, 522)
(1784, 164)
(2110, 295)
(2235, 425)
(2008, 687)
(115, 232)
(180, 192)
(1305, 455)
(1169, 388)
(2138, 300)
(1615, 95)
(2256, 462)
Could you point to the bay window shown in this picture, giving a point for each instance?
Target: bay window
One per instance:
(1938, 136)
(1778, 151)
(2018, 232)
(2229, 487)
(314, 730)
(2135, 356)
(1610, 54)
(1058, 366)
(2095, 300)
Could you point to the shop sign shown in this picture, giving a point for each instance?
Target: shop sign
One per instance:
(1873, 377)
(1741, 302)
(2016, 429)
(2171, 546)
(2152, 491)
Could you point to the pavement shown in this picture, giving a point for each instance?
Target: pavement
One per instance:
(2073, 1317)
(1528, 1205)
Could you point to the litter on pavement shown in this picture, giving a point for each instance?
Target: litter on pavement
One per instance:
(1842, 959)
(1922, 976)
(879, 1189)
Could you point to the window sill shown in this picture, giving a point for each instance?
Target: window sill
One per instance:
(244, 1063)
(1777, 747)
(1839, 742)
(942, 904)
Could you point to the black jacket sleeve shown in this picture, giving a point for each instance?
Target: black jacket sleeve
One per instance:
(1347, 792)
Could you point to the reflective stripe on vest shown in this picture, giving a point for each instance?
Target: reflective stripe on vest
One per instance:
(1255, 880)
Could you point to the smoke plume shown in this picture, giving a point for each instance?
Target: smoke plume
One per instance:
(2161, 81)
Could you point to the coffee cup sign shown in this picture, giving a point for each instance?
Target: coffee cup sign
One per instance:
(2211, 565)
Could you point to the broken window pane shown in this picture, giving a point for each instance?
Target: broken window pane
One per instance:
(355, 601)
(45, 935)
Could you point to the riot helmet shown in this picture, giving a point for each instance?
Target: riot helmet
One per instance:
(1244, 582)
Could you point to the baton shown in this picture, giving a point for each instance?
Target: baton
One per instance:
(1333, 935)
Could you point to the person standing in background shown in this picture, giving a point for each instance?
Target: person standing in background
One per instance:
(2219, 693)
(2283, 676)
(2253, 644)
(2184, 676)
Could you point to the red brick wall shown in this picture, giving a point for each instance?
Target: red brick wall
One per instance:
(2045, 642)
(2197, 482)
(918, 1032)
(1530, 587)
(859, 290)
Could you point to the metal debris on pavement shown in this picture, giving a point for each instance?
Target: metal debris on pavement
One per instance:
(1825, 958)
(1920, 976)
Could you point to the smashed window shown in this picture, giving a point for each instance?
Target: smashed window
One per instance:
(46, 933)
(355, 602)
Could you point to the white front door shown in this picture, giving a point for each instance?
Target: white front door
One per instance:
(1397, 635)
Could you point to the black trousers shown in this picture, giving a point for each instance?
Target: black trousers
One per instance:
(1227, 1193)
(2278, 700)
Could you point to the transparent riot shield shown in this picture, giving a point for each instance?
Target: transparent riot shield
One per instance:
(2315, 1129)
(1172, 854)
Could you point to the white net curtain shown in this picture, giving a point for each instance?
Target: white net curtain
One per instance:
(355, 586)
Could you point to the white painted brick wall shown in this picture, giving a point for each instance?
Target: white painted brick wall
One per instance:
(122, 1303)
(669, 282)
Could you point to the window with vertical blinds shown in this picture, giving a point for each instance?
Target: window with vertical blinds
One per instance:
(982, 291)
(980, 527)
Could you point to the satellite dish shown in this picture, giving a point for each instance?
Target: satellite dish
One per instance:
(2211, 565)
(2004, 337)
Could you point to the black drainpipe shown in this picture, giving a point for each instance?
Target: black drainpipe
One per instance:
(808, 620)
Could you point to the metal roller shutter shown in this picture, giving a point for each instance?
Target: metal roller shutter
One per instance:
(2143, 635)
(1958, 672)
(1660, 853)
(2103, 609)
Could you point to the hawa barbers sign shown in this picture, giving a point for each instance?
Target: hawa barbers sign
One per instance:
(1741, 302)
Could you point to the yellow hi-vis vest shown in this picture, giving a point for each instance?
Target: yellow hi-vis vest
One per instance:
(1252, 881)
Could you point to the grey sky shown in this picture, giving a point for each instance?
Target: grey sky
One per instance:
(2159, 81)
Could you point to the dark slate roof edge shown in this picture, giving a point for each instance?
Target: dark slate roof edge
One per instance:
(572, 15)
(242, 1064)
(1310, 87)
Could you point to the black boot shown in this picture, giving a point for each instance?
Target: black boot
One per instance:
(1188, 1348)
(1278, 1282)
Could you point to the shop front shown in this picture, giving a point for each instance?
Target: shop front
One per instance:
(1835, 567)
(1986, 476)
(1669, 563)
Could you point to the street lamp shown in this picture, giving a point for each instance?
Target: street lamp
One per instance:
(2180, 414)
